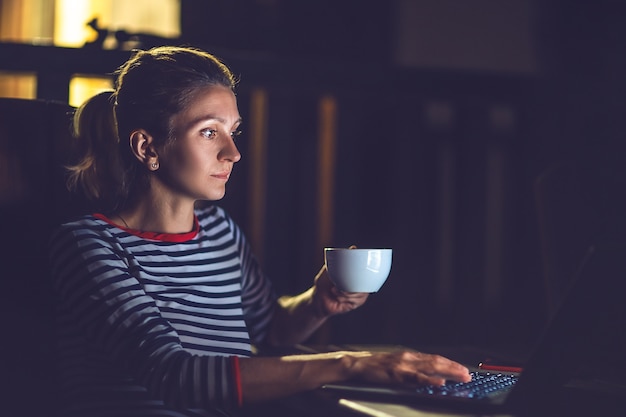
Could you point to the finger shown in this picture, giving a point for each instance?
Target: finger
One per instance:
(435, 366)
(340, 293)
(442, 367)
(346, 294)
(424, 379)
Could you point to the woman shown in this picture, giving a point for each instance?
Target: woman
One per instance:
(160, 300)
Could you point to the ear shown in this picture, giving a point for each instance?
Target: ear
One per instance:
(142, 146)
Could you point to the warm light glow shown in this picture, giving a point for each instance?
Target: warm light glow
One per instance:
(259, 103)
(155, 17)
(81, 88)
(160, 17)
(64, 23)
(16, 85)
(71, 17)
(326, 168)
(26, 21)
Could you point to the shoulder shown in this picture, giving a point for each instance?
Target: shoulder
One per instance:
(211, 216)
(82, 229)
(79, 242)
(216, 224)
(84, 224)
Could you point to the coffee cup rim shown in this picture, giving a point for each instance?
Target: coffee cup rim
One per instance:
(356, 249)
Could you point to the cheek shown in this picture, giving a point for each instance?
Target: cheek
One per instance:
(179, 165)
(189, 161)
(182, 158)
(190, 167)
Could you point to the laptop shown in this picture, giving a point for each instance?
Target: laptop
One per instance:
(578, 366)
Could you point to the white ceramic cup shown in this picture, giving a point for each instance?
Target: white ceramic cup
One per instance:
(358, 270)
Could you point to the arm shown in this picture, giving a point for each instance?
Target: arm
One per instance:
(296, 318)
(267, 378)
(288, 320)
(94, 280)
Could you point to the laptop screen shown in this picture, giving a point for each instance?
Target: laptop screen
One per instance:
(583, 346)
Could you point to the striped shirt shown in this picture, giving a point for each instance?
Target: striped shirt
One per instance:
(149, 324)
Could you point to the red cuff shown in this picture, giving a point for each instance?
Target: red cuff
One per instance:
(237, 377)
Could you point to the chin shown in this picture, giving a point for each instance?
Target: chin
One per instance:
(216, 196)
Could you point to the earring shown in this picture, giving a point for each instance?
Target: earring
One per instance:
(154, 165)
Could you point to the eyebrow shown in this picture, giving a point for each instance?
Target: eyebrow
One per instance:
(216, 118)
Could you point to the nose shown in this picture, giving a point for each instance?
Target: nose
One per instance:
(229, 151)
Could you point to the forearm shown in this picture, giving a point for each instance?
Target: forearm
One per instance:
(264, 378)
(296, 318)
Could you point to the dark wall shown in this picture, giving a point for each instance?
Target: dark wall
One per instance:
(346, 29)
(453, 158)
(391, 188)
(581, 116)
(570, 113)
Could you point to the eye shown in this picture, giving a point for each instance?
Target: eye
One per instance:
(235, 133)
(209, 133)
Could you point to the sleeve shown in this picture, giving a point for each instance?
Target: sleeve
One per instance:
(95, 284)
(258, 295)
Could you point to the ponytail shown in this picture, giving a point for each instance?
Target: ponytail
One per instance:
(97, 173)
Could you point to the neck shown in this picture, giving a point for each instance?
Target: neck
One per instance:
(159, 216)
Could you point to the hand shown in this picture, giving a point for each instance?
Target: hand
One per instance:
(329, 300)
(268, 377)
(406, 367)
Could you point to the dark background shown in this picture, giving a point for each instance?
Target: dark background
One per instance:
(503, 208)
(482, 140)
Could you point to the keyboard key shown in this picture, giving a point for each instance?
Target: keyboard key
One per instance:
(482, 385)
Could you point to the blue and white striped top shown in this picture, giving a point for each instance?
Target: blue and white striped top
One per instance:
(149, 323)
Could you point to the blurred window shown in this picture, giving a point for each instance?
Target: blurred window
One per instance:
(82, 87)
(65, 23)
(18, 85)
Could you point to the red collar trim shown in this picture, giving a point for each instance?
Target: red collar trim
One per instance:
(163, 237)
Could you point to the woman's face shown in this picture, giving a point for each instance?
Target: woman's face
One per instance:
(198, 162)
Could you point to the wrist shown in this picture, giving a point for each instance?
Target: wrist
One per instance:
(348, 366)
(332, 367)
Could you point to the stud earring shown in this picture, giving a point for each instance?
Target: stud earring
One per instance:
(154, 165)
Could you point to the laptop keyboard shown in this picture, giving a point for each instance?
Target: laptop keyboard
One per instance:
(482, 385)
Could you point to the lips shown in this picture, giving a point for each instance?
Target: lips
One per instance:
(222, 175)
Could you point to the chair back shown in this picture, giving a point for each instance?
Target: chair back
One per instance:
(35, 143)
